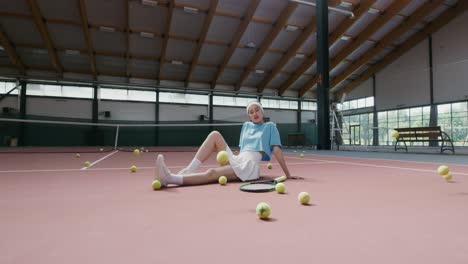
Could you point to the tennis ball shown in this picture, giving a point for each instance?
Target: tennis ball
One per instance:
(295, 151)
(77, 155)
(447, 176)
(133, 168)
(443, 170)
(156, 185)
(280, 187)
(395, 134)
(269, 166)
(222, 158)
(101, 149)
(136, 152)
(87, 163)
(222, 180)
(303, 197)
(302, 156)
(263, 210)
(146, 150)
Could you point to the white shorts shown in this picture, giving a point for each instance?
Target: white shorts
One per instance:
(246, 165)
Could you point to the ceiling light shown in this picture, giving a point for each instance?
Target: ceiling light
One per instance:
(107, 29)
(39, 51)
(374, 11)
(146, 34)
(251, 45)
(192, 10)
(72, 52)
(176, 62)
(291, 28)
(346, 4)
(299, 55)
(344, 37)
(259, 71)
(149, 3)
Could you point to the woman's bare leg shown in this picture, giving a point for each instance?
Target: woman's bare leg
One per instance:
(213, 143)
(163, 174)
(210, 176)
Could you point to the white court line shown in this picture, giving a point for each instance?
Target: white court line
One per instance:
(407, 161)
(101, 159)
(380, 166)
(140, 168)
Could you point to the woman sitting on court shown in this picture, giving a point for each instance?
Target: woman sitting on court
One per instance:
(258, 141)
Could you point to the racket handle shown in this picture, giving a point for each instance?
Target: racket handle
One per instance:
(280, 179)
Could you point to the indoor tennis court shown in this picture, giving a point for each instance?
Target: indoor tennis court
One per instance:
(361, 106)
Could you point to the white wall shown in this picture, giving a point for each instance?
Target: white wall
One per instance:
(361, 91)
(175, 112)
(128, 111)
(308, 115)
(10, 101)
(59, 107)
(237, 114)
(405, 82)
(450, 61)
(281, 116)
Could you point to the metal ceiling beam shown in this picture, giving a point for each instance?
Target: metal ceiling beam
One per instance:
(334, 36)
(459, 8)
(292, 50)
(416, 17)
(362, 37)
(237, 37)
(274, 32)
(89, 42)
(167, 29)
(201, 40)
(11, 51)
(39, 21)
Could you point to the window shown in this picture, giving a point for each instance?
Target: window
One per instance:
(59, 91)
(309, 105)
(357, 103)
(5, 87)
(183, 98)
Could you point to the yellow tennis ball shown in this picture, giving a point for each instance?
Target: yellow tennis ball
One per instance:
(280, 187)
(101, 149)
(87, 163)
(303, 197)
(263, 210)
(447, 176)
(269, 166)
(77, 155)
(443, 170)
(302, 156)
(395, 134)
(222, 158)
(222, 180)
(133, 168)
(156, 185)
(136, 152)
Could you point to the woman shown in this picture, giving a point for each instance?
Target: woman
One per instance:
(258, 141)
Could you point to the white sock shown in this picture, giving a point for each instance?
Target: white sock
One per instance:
(165, 174)
(191, 168)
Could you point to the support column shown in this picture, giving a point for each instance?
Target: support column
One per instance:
(375, 121)
(433, 114)
(323, 104)
(22, 111)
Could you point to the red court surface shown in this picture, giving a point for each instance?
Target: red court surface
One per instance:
(362, 211)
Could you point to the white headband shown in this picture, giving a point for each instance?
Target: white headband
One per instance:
(254, 103)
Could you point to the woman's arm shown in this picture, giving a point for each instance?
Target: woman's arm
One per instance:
(279, 157)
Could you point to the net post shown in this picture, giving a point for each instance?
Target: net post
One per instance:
(116, 137)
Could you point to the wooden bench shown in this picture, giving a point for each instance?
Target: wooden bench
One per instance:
(424, 134)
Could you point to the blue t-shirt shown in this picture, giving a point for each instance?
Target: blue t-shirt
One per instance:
(259, 137)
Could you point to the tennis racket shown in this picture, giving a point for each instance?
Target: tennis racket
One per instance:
(263, 186)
